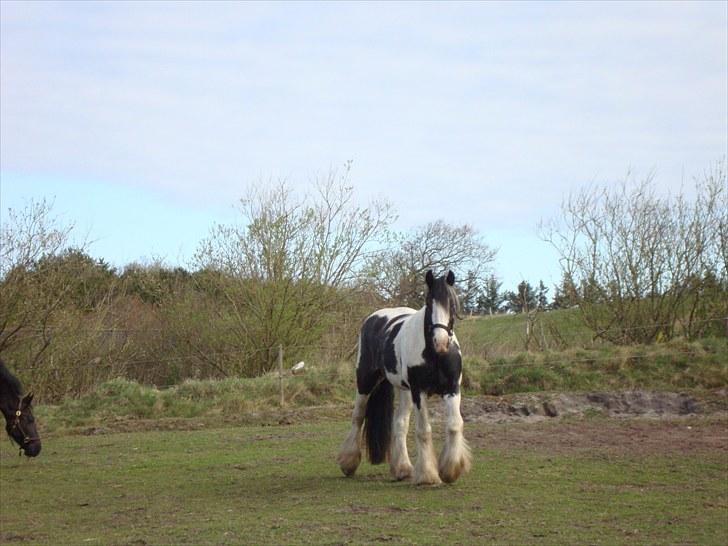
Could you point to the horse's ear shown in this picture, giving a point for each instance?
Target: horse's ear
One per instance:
(450, 278)
(429, 279)
(27, 399)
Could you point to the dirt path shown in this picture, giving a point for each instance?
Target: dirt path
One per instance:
(606, 436)
(544, 406)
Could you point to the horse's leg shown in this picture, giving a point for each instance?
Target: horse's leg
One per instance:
(425, 467)
(455, 456)
(350, 453)
(399, 461)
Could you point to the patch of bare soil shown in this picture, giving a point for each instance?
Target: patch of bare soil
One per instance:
(622, 422)
(606, 436)
(544, 406)
(541, 406)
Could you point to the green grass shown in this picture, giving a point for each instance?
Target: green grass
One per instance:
(214, 400)
(238, 477)
(280, 485)
(561, 354)
(491, 337)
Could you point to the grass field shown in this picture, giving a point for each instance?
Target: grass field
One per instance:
(217, 462)
(585, 481)
(491, 337)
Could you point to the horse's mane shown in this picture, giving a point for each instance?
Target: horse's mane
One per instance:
(454, 300)
(451, 295)
(12, 381)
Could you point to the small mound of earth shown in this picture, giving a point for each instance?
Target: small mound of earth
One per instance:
(541, 406)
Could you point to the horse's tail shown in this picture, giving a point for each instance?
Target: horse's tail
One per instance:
(378, 425)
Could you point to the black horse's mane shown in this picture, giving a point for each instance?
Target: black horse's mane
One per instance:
(7, 378)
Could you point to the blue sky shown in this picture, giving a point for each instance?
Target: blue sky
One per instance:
(146, 121)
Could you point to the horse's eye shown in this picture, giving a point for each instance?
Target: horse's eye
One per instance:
(31, 419)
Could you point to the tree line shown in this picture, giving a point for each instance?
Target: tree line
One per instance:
(303, 270)
(490, 298)
(298, 270)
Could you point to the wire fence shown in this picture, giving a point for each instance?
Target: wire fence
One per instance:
(307, 349)
(495, 330)
(30, 332)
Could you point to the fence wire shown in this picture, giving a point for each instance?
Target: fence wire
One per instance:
(308, 349)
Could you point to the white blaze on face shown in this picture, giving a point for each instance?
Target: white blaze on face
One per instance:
(440, 337)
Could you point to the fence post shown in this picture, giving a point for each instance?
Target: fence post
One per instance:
(280, 372)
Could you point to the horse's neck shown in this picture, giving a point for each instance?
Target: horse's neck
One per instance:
(417, 320)
(8, 400)
(413, 340)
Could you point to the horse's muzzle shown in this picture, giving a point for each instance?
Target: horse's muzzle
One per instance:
(32, 448)
(442, 347)
(441, 337)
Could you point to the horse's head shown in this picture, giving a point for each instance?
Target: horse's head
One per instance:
(20, 425)
(441, 309)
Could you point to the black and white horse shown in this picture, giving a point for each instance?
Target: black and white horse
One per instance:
(417, 352)
(17, 410)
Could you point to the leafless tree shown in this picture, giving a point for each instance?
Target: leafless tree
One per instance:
(397, 271)
(30, 294)
(646, 264)
(284, 269)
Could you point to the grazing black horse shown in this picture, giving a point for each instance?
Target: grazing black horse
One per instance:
(16, 408)
(417, 353)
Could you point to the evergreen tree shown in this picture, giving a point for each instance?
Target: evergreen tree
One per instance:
(491, 298)
(470, 292)
(523, 300)
(541, 299)
(565, 295)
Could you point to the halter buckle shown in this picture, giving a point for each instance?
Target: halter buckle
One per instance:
(18, 413)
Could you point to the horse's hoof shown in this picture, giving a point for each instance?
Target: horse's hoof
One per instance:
(349, 463)
(453, 463)
(402, 473)
(428, 479)
(451, 475)
(450, 472)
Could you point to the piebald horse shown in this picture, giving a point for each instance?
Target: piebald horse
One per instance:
(417, 352)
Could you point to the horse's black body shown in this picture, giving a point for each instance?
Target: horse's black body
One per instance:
(17, 410)
(440, 374)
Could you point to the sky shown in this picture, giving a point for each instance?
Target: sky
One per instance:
(145, 122)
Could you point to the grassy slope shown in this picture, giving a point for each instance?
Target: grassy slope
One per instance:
(280, 485)
(491, 337)
(676, 366)
(563, 356)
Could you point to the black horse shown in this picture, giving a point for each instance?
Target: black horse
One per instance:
(16, 408)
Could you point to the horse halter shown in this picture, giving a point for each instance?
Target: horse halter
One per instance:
(16, 425)
(447, 328)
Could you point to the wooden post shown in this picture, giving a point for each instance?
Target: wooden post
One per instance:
(280, 373)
